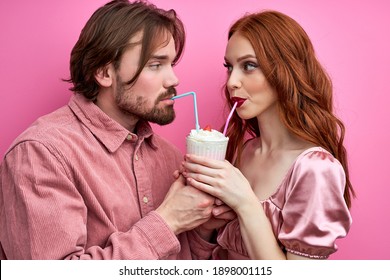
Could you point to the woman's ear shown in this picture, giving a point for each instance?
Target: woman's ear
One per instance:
(104, 76)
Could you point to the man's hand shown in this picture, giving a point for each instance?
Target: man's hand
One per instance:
(184, 207)
(221, 215)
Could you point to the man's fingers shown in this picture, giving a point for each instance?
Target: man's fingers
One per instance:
(224, 212)
(219, 202)
(176, 174)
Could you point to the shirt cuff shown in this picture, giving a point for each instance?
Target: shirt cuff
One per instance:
(159, 235)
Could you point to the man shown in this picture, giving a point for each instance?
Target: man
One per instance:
(91, 180)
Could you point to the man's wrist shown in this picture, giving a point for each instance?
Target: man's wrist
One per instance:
(169, 222)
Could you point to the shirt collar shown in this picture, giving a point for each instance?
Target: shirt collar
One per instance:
(109, 132)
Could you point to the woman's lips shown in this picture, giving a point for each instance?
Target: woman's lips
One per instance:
(239, 100)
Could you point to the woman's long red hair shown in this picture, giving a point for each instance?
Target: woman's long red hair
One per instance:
(286, 57)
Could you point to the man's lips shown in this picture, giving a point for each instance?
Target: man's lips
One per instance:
(166, 100)
(166, 97)
(239, 100)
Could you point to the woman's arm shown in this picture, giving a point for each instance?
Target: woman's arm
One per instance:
(227, 183)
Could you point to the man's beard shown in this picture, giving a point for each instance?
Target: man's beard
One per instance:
(161, 116)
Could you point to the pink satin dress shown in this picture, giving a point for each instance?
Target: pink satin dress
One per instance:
(307, 211)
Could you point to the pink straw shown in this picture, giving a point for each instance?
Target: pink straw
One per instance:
(229, 117)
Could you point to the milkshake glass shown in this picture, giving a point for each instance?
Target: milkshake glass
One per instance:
(208, 143)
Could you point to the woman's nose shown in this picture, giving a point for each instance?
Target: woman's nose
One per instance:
(234, 81)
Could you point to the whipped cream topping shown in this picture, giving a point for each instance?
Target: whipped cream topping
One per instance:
(206, 135)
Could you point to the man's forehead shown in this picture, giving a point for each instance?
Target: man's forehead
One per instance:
(137, 38)
(158, 39)
(162, 44)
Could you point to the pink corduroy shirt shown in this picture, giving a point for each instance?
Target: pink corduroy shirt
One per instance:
(77, 185)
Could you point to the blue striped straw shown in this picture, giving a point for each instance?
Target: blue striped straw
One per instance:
(195, 106)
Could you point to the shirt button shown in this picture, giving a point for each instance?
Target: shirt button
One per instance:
(129, 137)
(145, 199)
(136, 157)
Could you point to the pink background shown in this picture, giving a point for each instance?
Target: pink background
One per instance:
(351, 39)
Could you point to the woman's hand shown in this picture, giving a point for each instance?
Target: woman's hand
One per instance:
(219, 179)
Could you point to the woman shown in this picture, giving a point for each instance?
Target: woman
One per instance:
(289, 184)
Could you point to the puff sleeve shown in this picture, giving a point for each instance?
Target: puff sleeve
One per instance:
(314, 214)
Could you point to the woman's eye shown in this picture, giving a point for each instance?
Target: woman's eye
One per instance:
(228, 67)
(249, 66)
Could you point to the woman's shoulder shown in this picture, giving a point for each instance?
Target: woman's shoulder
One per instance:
(316, 168)
(312, 169)
(315, 158)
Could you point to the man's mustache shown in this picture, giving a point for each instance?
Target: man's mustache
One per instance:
(171, 91)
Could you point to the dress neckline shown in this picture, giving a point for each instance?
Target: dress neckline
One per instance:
(287, 175)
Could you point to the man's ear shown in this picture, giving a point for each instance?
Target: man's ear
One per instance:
(105, 75)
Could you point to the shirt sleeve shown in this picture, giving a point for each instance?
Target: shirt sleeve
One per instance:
(315, 214)
(45, 217)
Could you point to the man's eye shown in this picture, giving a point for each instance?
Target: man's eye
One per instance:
(155, 66)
